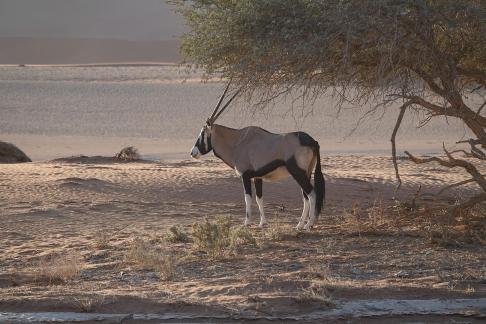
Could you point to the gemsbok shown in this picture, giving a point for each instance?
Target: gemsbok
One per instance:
(256, 154)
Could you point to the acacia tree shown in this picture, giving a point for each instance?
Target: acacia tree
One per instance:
(427, 55)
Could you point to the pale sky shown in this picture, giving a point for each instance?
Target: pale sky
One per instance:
(121, 19)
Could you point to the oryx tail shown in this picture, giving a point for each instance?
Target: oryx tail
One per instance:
(319, 183)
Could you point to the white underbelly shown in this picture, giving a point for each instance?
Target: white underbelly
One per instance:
(277, 174)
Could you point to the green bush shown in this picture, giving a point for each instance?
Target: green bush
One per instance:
(219, 238)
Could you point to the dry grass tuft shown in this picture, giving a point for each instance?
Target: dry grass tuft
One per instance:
(88, 303)
(176, 234)
(102, 240)
(58, 269)
(445, 229)
(316, 293)
(148, 256)
(280, 232)
(219, 239)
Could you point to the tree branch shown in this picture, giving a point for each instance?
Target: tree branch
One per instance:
(456, 185)
(393, 141)
(453, 162)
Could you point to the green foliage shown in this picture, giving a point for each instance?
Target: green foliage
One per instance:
(328, 43)
(219, 238)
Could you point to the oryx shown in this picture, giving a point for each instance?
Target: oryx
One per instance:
(256, 154)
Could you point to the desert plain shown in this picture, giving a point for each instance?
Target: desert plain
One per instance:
(83, 232)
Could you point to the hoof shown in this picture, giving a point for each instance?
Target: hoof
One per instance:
(299, 227)
(262, 224)
(308, 227)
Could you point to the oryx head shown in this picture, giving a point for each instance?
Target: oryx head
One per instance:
(203, 142)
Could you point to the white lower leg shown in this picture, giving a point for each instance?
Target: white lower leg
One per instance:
(248, 209)
(305, 214)
(259, 201)
(312, 211)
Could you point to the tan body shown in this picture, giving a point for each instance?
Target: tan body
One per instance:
(260, 147)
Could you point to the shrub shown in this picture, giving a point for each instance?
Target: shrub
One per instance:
(129, 153)
(219, 238)
(176, 234)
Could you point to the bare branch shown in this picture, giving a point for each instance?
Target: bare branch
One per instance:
(461, 183)
(453, 162)
(393, 141)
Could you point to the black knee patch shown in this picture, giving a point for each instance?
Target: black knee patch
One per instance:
(305, 195)
(246, 183)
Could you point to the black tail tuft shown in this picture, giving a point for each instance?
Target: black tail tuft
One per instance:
(319, 184)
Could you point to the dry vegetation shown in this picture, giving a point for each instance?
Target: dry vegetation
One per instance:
(146, 255)
(57, 269)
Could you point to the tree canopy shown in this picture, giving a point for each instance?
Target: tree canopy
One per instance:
(424, 54)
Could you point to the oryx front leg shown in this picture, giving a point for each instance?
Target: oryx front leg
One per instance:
(259, 199)
(305, 212)
(248, 199)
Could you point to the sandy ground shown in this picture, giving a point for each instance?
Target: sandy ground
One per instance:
(64, 207)
(89, 213)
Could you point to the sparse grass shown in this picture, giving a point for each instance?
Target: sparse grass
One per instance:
(279, 232)
(58, 269)
(88, 303)
(219, 238)
(148, 256)
(102, 240)
(176, 234)
(129, 153)
(316, 293)
(320, 271)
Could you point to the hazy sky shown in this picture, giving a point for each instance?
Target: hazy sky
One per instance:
(121, 19)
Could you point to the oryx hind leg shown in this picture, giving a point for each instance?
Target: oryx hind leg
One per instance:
(259, 199)
(248, 198)
(305, 211)
(303, 179)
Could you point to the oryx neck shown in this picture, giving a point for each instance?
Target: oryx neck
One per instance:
(224, 140)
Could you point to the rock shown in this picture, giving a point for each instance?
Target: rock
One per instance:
(10, 153)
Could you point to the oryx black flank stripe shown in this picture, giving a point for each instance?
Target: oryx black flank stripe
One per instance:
(264, 170)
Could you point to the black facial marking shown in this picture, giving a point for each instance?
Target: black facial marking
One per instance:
(201, 144)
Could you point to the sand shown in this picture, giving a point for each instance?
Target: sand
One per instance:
(62, 207)
(366, 245)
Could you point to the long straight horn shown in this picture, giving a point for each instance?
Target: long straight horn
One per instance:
(226, 104)
(219, 102)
